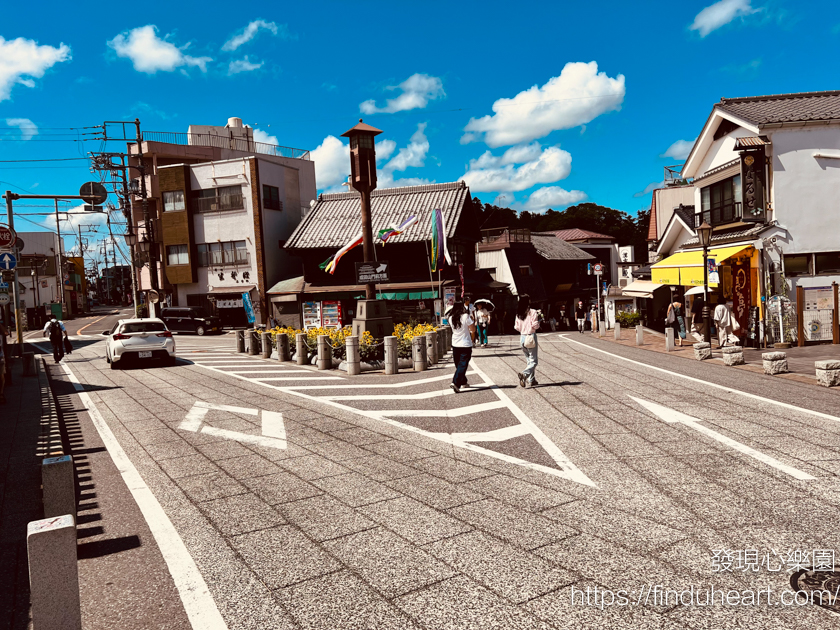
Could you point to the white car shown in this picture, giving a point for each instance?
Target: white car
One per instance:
(139, 339)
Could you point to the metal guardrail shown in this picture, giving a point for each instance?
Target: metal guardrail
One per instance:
(726, 213)
(244, 144)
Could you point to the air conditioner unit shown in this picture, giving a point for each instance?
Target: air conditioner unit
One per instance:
(623, 282)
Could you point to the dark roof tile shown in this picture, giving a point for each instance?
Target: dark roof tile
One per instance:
(780, 108)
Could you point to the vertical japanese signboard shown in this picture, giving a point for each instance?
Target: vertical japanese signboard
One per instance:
(752, 186)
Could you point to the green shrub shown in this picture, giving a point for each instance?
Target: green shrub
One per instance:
(628, 319)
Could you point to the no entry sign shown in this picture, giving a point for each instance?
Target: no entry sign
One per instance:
(7, 237)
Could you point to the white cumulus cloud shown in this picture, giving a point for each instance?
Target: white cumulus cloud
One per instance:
(250, 32)
(28, 129)
(416, 92)
(490, 173)
(552, 197)
(149, 53)
(412, 155)
(243, 65)
(22, 60)
(650, 188)
(263, 136)
(679, 150)
(576, 97)
(332, 162)
(719, 14)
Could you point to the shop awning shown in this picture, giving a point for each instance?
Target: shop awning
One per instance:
(239, 289)
(641, 289)
(686, 268)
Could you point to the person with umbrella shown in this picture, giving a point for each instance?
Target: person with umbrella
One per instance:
(482, 320)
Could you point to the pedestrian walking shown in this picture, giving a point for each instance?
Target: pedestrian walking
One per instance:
(482, 321)
(593, 319)
(57, 333)
(3, 334)
(674, 319)
(527, 323)
(580, 316)
(726, 325)
(470, 308)
(463, 329)
(698, 326)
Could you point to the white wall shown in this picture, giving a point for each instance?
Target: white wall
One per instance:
(666, 200)
(497, 260)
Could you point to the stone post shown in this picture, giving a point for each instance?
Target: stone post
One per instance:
(432, 347)
(282, 346)
(254, 345)
(240, 341)
(324, 353)
(602, 329)
(441, 339)
(54, 574)
(448, 330)
(29, 368)
(640, 335)
(702, 351)
(58, 480)
(302, 351)
(266, 345)
(669, 339)
(617, 331)
(354, 365)
(774, 362)
(733, 355)
(418, 353)
(392, 355)
(828, 373)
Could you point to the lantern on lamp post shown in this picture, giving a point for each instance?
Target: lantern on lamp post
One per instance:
(704, 234)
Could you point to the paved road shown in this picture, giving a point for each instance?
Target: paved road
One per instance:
(310, 499)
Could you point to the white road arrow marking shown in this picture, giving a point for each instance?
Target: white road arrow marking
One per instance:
(674, 416)
(273, 429)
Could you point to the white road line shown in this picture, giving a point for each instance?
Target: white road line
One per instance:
(672, 415)
(499, 435)
(818, 414)
(441, 413)
(198, 602)
(422, 381)
(259, 371)
(243, 410)
(302, 378)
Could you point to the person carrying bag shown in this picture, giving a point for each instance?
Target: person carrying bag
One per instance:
(527, 323)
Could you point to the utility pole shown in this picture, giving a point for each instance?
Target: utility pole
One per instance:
(147, 223)
(59, 279)
(15, 286)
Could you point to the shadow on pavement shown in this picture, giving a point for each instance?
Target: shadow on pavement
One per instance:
(99, 548)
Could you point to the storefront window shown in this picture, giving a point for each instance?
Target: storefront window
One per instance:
(797, 265)
(826, 263)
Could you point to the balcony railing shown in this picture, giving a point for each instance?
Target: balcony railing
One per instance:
(244, 144)
(227, 203)
(224, 257)
(720, 215)
(506, 235)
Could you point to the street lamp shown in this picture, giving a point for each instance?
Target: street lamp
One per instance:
(704, 234)
(131, 239)
(145, 244)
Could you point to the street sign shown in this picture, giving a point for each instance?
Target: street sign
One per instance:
(4, 299)
(598, 268)
(66, 276)
(88, 208)
(8, 262)
(368, 272)
(19, 244)
(7, 237)
(93, 193)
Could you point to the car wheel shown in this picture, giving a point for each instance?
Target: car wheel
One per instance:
(114, 365)
(200, 331)
(107, 357)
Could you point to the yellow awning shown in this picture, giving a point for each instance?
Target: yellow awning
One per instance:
(686, 268)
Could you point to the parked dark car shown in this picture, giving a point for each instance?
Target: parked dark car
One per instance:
(189, 319)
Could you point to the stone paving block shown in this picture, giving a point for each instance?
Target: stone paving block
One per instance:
(414, 521)
(504, 569)
(388, 563)
(170, 450)
(450, 469)
(186, 466)
(434, 492)
(312, 466)
(338, 451)
(323, 517)
(355, 489)
(517, 526)
(281, 487)
(518, 493)
(460, 604)
(399, 451)
(155, 436)
(380, 468)
(241, 513)
(223, 449)
(281, 556)
(248, 466)
(210, 486)
(359, 436)
(341, 600)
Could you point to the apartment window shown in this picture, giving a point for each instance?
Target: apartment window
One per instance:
(797, 265)
(222, 199)
(223, 253)
(177, 255)
(827, 263)
(173, 200)
(271, 198)
(721, 202)
(525, 270)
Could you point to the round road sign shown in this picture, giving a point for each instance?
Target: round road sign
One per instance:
(7, 236)
(19, 244)
(598, 268)
(4, 299)
(93, 193)
(7, 261)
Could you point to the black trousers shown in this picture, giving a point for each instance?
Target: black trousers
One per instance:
(58, 349)
(461, 357)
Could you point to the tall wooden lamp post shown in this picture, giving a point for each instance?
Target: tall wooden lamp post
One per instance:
(371, 314)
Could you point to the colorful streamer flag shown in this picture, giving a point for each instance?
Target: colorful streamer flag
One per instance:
(329, 264)
(440, 251)
(390, 231)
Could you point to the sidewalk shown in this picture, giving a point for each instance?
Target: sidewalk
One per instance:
(800, 360)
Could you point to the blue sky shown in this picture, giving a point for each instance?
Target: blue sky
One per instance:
(545, 103)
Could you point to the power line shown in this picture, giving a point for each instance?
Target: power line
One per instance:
(45, 160)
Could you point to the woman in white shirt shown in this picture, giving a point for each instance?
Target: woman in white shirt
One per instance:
(463, 329)
(527, 323)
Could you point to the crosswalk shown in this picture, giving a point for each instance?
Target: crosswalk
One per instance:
(223, 359)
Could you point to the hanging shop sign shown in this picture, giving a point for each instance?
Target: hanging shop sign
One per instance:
(752, 183)
(249, 308)
(228, 303)
(741, 292)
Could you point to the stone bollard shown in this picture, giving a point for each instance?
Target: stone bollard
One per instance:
(54, 574)
(669, 340)
(441, 343)
(448, 330)
(640, 335)
(266, 345)
(617, 331)
(702, 351)
(29, 368)
(58, 480)
(828, 373)
(282, 340)
(254, 343)
(733, 355)
(432, 347)
(418, 353)
(302, 351)
(774, 362)
(392, 355)
(324, 361)
(354, 365)
(240, 341)
(602, 329)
